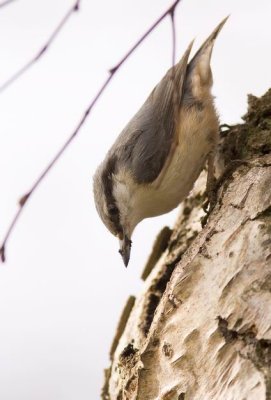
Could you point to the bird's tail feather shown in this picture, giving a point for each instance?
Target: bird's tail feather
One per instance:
(200, 63)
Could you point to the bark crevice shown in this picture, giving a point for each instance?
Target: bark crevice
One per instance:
(201, 328)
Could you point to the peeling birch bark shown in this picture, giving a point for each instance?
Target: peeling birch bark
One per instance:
(201, 328)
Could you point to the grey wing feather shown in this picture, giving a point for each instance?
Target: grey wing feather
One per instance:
(145, 143)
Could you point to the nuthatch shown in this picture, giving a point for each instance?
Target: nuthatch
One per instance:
(156, 159)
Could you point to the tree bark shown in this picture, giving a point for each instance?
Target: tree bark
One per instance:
(201, 328)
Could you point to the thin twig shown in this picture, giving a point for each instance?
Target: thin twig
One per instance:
(172, 17)
(175, 84)
(44, 48)
(5, 3)
(143, 37)
(174, 99)
(24, 199)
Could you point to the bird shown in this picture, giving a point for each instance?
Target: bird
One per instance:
(154, 162)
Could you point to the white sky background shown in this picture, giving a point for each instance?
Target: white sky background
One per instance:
(64, 284)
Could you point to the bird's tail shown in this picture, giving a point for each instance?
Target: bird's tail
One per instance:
(199, 66)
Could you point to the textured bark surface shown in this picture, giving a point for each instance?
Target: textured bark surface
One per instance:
(201, 328)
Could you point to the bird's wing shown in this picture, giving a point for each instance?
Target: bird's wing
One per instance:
(145, 144)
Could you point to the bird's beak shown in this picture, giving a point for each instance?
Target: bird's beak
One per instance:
(125, 249)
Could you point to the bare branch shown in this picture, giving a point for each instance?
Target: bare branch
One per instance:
(5, 3)
(143, 37)
(24, 199)
(44, 48)
(172, 15)
(175, 89)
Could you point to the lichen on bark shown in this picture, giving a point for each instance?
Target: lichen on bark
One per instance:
(201, 328)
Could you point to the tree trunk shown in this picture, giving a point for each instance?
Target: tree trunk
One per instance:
(201, 328)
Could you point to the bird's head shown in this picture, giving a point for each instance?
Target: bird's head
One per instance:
(114, 206)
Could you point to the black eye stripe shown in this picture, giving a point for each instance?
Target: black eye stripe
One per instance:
(107, 181)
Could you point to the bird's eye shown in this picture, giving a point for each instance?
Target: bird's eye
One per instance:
(112, 209)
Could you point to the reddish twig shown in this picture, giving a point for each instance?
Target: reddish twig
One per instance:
(172, 17)
(5, 3)
(24, 199)
(44, 48)
(175, 84)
